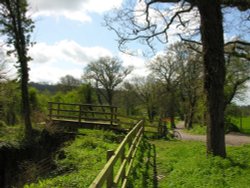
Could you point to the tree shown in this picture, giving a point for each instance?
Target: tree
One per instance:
(129, 99)
(17, 27)
(146, 90)
(211, 30)
(107, 73)
(3, 71)
(68, 82)
(190, 76)
(237, 69)
(165, 68)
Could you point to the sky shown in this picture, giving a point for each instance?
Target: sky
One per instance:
(70, 34)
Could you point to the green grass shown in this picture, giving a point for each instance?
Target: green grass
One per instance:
(185, 164)
(11, 134)
(245, 124)
(83, 159)
(197, 130)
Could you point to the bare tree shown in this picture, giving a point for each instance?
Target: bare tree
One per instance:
(17, 27)
(128, 26)
(107, 73)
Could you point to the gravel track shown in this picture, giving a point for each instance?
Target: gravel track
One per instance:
(234, 139)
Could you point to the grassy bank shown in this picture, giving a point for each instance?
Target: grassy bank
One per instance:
(79, 162)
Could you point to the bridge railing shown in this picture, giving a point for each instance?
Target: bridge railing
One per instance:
(120, 178)
(82, 112)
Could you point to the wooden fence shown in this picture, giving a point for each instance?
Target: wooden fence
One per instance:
(132, 140)
(83, 112)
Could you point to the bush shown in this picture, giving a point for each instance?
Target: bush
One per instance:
(2, 124)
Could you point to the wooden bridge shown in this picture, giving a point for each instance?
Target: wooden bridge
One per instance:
(83, 114)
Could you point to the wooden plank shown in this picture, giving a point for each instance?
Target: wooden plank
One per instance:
(63, 110)
(110, 153)
(124, 184)
(65, 116)
(83, 111)
(98, 119)
(87, 105)
(86, 122)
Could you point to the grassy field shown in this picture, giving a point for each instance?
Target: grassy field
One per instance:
(244, 126)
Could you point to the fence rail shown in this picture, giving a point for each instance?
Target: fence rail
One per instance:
(132, 140)
(83, 112)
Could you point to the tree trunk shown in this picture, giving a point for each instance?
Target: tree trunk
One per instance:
(190, 118)
(172, 109)
(214, 73)
(21, 48)
(25, 100)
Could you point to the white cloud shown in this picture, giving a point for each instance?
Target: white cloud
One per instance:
(74, 10)
(50, 62)
(138, 63)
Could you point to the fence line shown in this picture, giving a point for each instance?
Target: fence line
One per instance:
(132, 139)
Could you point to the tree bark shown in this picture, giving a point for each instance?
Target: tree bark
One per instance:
(214, 73)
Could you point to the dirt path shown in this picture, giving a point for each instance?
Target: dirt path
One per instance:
(234, 139)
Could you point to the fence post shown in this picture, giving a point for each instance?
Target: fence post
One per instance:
(110, 177)
(58, 109)
(80, 114)
(50, 111)
(122, 159)
(115, 114)
(112, 115)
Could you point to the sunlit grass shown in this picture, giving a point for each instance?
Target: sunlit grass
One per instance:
(242, 123)
(186, 164)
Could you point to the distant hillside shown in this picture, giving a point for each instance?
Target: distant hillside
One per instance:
(44, 87)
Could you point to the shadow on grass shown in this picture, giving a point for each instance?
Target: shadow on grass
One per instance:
(144, 173)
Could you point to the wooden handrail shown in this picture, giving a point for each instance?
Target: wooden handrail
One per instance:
(87, 105)
(106, 173)
(83, 112)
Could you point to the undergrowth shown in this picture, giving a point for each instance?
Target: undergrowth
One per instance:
(80, 161)
(11, 134)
